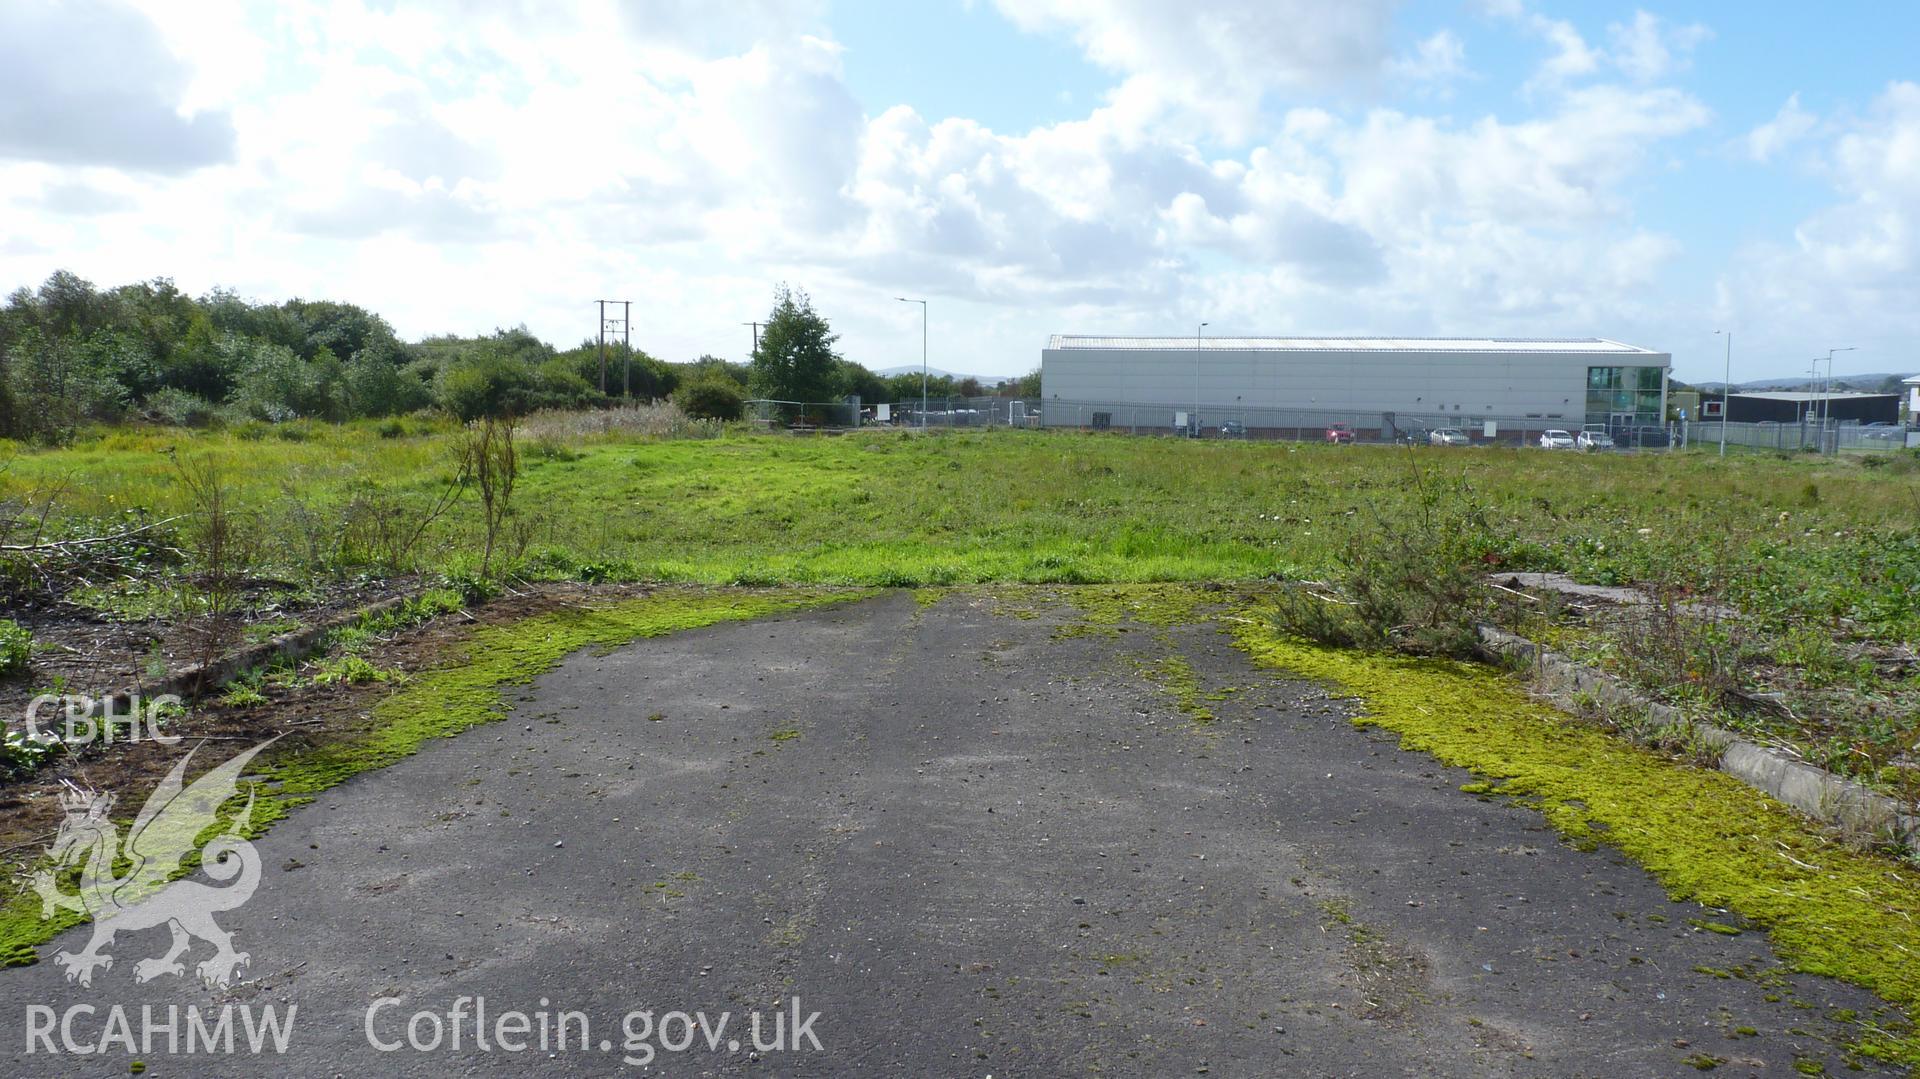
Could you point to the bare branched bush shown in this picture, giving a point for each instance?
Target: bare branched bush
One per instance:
(1416, 584)
(1684, 647)
(494, 464)
(222, 544)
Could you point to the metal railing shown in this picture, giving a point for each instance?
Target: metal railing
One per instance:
(1327, 425)
(1809, 437)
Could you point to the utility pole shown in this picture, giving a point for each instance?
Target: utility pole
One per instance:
(1726, 391)
(626, 349)
(623, 327)
(756, 339)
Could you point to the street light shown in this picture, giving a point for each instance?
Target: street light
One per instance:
(923, 357)
(1726, 391)
(1826, 389)
(1194, 427)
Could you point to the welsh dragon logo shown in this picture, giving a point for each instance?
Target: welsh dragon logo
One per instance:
(147, 895)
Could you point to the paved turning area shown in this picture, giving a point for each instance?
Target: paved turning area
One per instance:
(976, 844)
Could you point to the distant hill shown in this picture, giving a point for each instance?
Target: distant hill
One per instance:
(914, 369)
(1864, 383)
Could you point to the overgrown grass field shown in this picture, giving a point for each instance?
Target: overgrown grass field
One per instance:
(1813, 539)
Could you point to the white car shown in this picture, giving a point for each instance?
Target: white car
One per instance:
(1448, 436)
(1556, 440)
(1593, 438)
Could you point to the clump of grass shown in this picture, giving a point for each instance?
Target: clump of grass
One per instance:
(554, 431)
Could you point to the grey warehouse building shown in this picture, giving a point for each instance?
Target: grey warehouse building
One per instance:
(1378, 384)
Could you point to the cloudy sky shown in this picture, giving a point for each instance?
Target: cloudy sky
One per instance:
(1504, 167)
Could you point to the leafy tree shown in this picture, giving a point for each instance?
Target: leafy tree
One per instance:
(274, 384)
(795, 360)
(1027, 385)
(714, 367)
(484, 384)
(193, 363)
(906, 387)
(57, 382)
(651, 378)
(853, 379)
(378, 383)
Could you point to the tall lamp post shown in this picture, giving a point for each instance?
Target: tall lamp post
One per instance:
(1193, 428)
(1726, 391)
(1826, 390)
(923, 357)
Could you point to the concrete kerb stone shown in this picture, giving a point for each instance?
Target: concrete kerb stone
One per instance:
(1832, 799)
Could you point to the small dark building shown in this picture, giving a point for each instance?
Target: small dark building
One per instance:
(1795, 407)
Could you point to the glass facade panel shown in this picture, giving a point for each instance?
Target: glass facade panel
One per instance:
(1619, 391)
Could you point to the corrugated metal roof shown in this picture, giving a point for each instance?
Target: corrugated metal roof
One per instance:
(1810, 398)
(1352, 344)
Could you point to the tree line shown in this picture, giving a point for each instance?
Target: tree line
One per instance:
(73, 354)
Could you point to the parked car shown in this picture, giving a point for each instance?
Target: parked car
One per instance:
(1340, 434)
(1556, 439)
(1593, 437)
(1233, 429)
(1412, 434)
(1449, 436)
(1882, 429)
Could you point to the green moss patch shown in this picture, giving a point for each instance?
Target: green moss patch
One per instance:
(1708, 838)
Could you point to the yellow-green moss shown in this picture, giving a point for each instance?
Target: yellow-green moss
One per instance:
(1708, 837)
(1105, 607)
(451, 699)
(1176, 676)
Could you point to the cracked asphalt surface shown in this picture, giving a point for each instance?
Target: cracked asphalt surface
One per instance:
(976, 845)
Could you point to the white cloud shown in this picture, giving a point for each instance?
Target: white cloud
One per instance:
(1438, 59)
(1847, 274)
(1791, 124)
(1648, 48)
(457, 170)
(55, 104)
(1216, 61)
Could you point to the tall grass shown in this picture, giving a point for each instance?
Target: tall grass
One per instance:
(881, 508)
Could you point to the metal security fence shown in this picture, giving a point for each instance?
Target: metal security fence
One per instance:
(803, 415)
(1318, 425)
(967, 412)
(1809, 437)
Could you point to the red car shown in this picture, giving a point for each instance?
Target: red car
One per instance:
(1339, 433)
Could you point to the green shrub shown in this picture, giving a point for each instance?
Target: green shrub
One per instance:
(16, 649)
(1415, 583)
(180, 408)
(711, 399)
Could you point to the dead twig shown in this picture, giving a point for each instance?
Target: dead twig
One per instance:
(85, 541)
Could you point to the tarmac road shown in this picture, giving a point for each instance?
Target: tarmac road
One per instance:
(974, 846)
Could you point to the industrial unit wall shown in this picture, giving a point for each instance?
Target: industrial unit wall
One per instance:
(1796, 407)
(1557, 383)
